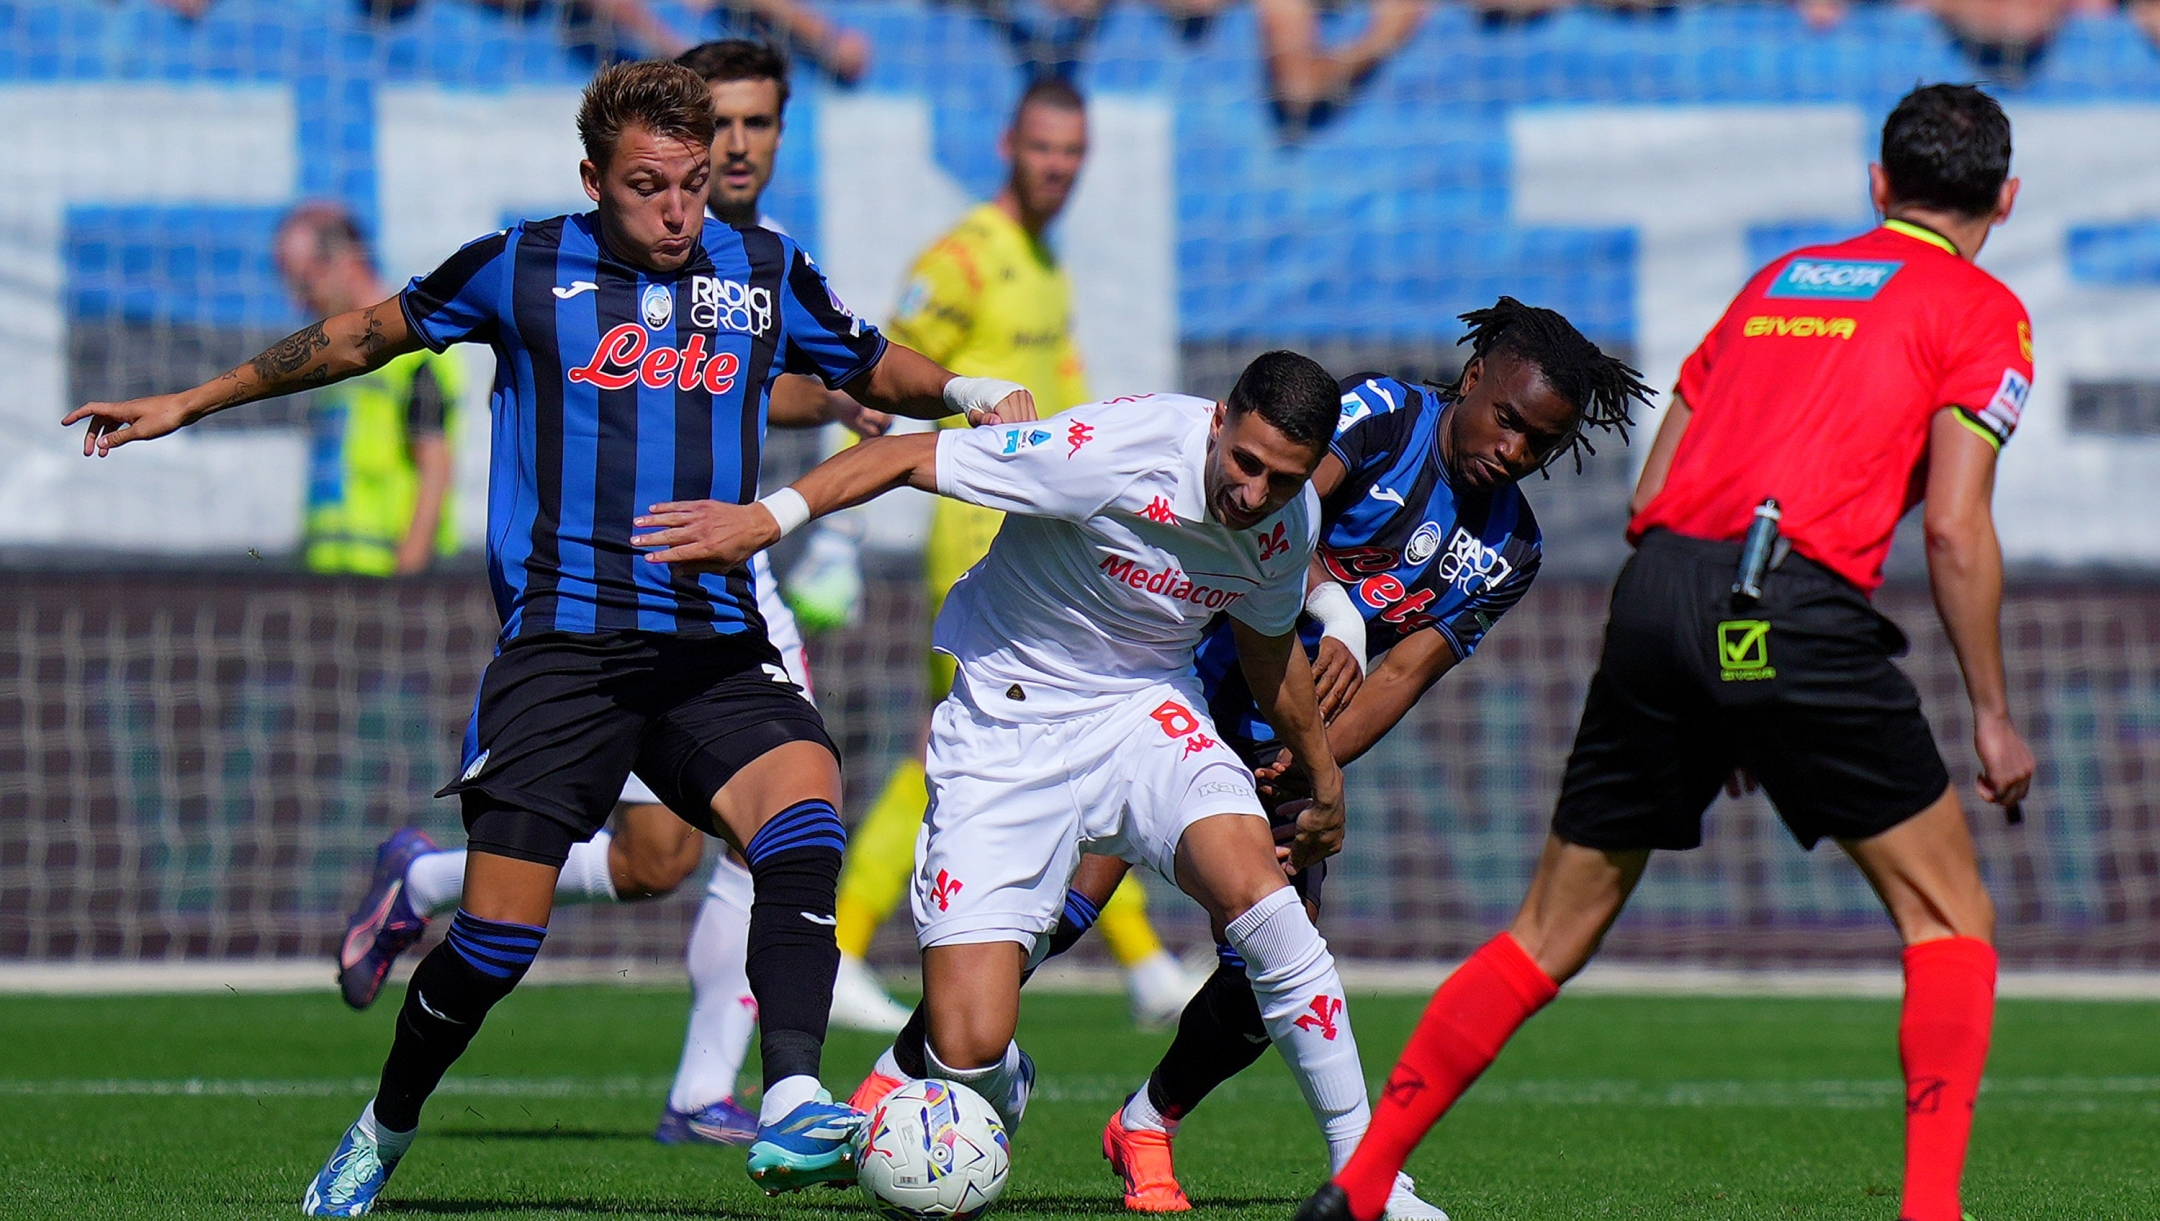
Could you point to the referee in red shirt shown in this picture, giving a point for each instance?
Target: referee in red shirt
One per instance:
(1846, 383)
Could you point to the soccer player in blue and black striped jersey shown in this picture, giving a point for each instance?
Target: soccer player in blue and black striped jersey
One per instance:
(636, 347)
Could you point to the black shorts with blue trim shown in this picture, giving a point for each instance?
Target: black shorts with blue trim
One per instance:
(564, 717)
(1799, 689)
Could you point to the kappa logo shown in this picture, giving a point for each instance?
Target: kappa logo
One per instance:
(1471, 566)
(730, 305)
(1743, 647)
(947, 886)
(1197, 743)
(1274, 542)
(1325, 1009)
(1160, 512)
(657, 306)
(1841, 279)
(1078, 435)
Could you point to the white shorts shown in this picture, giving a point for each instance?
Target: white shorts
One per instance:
(786, 636)
(1013, 805)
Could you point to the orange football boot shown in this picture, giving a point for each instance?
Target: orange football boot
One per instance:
(873, 1090)
(1142, 1159)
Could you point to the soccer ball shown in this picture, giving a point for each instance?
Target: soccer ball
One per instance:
(933, 1150)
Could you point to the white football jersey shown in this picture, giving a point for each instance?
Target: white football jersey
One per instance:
(1109, 566)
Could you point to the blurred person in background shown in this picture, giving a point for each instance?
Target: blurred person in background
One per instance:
(379, 462)
(988, 299)
(633, 25)
(1304, 75)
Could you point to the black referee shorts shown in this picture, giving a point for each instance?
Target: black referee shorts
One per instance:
(563, 717)
(1799, 689)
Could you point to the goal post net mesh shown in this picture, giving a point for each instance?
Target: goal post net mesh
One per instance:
(201, 766)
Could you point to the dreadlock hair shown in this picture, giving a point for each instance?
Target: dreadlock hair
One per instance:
(1601, 387)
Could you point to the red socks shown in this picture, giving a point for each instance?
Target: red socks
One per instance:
(1943, 1042)
(1470, 1018)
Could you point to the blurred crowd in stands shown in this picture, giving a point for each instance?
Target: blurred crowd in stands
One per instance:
(1307, 74)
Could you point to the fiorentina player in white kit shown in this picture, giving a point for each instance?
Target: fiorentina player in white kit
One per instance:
(1076, 723)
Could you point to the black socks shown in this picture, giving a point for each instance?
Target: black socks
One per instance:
(794, 872)
(450, 995)
(1219, 1035)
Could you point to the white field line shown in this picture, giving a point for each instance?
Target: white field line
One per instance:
(1360, 977)
(2052, 1094)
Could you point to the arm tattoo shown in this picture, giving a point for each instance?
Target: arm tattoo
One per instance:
(285, 357)
(372, 340)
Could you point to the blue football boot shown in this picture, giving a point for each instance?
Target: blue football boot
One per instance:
(348, 1183)
(721, 1123)
(814, 1143)
(384, 925)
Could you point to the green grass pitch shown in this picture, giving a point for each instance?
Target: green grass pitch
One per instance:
(1603, 1107)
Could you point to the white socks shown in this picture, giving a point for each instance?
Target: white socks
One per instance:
(722, 1012)
(1301, 1000)
(435, 883)
(785, 1095)
(1002, 1084)
(585, 877)
(888, 1065)
(1140, 1115)
(389, 1146)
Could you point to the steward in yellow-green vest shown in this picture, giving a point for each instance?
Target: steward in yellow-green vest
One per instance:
(362, 480)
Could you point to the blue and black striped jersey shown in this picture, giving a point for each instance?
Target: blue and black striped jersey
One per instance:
(1412, 552)
(617, 388)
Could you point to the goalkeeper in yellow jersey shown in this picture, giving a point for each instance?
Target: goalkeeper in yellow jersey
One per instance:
(989, 300)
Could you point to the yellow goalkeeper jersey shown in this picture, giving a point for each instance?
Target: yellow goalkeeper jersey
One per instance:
(988, 300)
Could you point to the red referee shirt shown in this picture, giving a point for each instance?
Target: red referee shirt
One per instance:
(1818, 387)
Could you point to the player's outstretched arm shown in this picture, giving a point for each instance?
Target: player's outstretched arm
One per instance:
(1281, 681)
(714, 536)
(1965, 570)
(315, 355)
(906, 382)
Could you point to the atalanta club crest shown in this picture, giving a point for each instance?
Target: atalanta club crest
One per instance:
(658, 306)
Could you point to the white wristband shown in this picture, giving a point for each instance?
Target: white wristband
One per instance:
(970, 396)
(788, 507)
(1330, 604)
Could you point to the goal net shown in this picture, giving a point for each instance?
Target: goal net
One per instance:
(200, 766)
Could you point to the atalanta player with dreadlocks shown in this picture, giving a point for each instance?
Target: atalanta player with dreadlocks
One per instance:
(1426, 541)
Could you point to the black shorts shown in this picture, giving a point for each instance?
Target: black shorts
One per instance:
(563, 717)
(1799, 689)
